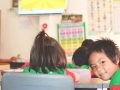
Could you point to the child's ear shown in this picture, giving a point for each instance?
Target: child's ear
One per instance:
(117, 60)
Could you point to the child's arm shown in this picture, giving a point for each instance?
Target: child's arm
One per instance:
(8, 60)
(75, 76)
(25, 65)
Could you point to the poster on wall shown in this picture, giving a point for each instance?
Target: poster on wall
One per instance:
(100, 17)
(74, 18)
(41, 6)
(14, 3)
(71, 36)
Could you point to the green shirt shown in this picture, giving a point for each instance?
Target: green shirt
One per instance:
(115, 78)
(85, 67)
(58, 71)
(71, 66)
(75, 66)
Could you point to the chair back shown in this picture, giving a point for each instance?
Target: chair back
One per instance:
(23, 81)
(84, 73)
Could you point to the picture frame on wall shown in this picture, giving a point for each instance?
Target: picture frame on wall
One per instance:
(73, 18)
(71, 36)
(15, 3)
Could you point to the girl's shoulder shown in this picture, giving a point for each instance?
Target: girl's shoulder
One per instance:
(71, 65)
(29, 70)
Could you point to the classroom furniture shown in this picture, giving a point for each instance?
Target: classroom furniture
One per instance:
(19, 70)
(84, 73)
(23, 81)
(93, 83)
(3, 66)
(86, 83)
(10, 67)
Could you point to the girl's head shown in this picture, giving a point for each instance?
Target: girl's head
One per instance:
(104, 58)
(46, 53)
(87, 43)
(80, 56)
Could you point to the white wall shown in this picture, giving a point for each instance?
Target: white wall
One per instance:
(73, 7)
(18, 32)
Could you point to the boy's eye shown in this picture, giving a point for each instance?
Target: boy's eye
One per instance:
(102, 62)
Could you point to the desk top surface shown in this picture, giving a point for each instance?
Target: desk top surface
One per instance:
(93, 83)
(86, 83)
(13, 70)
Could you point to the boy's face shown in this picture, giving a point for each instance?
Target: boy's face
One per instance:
(102, 66)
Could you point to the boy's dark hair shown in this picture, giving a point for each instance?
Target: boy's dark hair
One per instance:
(46, 53)
(87, 43)
(108, 47)
(80, 56)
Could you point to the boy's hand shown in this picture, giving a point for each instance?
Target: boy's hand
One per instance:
(13, 58)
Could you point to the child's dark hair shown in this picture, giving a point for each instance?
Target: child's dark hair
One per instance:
(46, 53)
(87, 43)
(80, 56)
(108, 47)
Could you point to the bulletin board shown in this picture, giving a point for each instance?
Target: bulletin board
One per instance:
(71, 36)
(100, 14)
(104, 17)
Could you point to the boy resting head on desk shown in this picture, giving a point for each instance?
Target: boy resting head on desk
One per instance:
(104, 59)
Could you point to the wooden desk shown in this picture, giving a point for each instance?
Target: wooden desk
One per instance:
(3, 66)
(93, 83)
(9, 70)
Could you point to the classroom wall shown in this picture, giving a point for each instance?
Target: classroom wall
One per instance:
(113, 33)
(18, 32)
